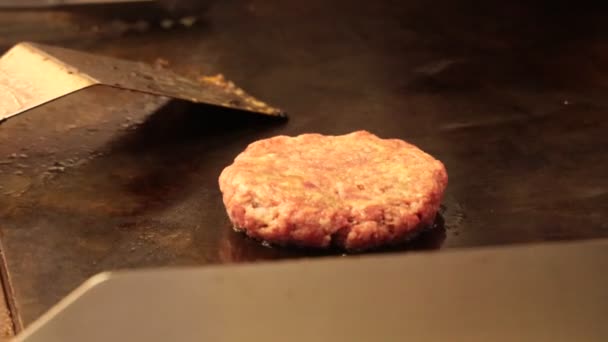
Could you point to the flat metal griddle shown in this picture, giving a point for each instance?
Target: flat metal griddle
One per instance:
(508, 102)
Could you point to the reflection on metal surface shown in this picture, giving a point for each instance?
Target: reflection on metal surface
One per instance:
(34, 74)
(29, 77)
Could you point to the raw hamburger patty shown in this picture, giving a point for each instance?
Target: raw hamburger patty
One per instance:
(354, 191)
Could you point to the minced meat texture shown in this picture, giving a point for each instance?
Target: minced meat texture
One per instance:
(354, 191)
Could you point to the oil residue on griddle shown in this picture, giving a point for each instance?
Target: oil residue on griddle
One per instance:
(236, 246)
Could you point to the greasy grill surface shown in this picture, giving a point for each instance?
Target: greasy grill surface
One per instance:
(510, 97)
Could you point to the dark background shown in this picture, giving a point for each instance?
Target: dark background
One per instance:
(511, 96)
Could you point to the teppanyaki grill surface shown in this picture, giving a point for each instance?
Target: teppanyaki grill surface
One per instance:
(510, 97)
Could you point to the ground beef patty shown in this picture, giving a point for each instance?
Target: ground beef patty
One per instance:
(354, 191)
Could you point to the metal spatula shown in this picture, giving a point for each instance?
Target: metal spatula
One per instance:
(34, 74)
